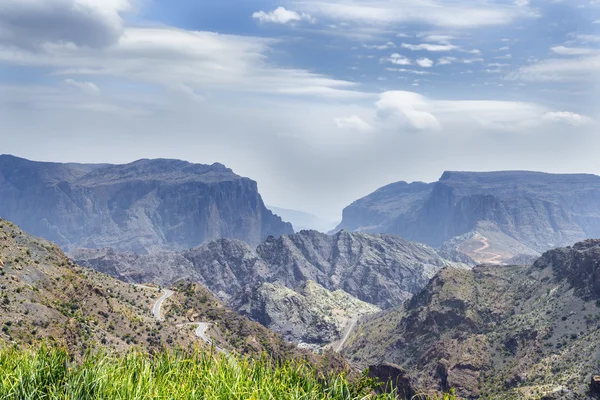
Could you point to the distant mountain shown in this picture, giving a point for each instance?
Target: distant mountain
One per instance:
(141, 207)
(490, 216)
(501, 332)
(274, 280)
(302, 221)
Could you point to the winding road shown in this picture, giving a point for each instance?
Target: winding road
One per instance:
(494, 259)
(157, 306)
(202, 326)
(346, 335)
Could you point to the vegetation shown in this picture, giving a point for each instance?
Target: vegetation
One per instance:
(49, 373)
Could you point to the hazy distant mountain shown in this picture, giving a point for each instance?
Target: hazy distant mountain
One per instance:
(141, 206)
(497, 332)
(301, 220)
(491, 216)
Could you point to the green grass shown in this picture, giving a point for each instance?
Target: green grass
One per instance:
(48, 373)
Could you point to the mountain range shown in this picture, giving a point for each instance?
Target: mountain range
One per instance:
(501, 332)
(355, 273)
(490, 216)
(141, 207)
(44, 296)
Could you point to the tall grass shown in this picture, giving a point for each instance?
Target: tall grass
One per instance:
(48, 373)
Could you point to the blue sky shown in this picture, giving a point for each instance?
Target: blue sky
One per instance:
(319, 101)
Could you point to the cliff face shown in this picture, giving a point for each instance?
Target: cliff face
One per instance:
(527, 211)
(142, 206)
(497, 331)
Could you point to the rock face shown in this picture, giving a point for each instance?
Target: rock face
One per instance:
(379, 269)
(140, 207)
(310, 314)
(496, 331)
(306, 286)
(518, 212)
(394, 379)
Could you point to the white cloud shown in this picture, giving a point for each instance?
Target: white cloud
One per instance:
(352, 122)
(441, 13)
(559, 70)
(32, 23)
(445, 39)
(86, 87)
(472, 60)
(171, 58)
(573, 51)
(429, 47)
(446, 60)
(397, 59)
(388, 45)
(425, 62)
(410, 71)
(566, 117)
(281, 15)
(401, 108)
(412, 107)
(504, 57)
(585, 38)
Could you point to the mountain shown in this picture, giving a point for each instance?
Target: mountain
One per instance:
(140, 207)
(309, 314)
(499, 332)
(45, 296)
(301, 220)
(490, 216)
(306, 286)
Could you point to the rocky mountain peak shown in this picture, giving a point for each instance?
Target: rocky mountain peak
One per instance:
(579, 265)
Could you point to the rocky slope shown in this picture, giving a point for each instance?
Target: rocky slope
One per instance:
(43, 295)
(383, 270)
(517, 212)
(310, 314)
(272, 283)
(497, 331)
(142, 206)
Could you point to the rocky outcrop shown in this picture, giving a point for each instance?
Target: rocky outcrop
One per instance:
(394, 380)
(379, 269)
(139, 207)
(497, 332)
(383, 270)
(310, 314)
(520, 212)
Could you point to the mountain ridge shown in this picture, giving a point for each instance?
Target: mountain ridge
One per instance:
(141, 206)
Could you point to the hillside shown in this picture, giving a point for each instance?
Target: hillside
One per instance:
(497, 332)
(490, 216)
(358, 272)
(140, 207)
(45, 296)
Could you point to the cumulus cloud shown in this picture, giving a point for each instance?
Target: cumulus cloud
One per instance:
(414, 108)
(32, 23)
(281, 15)
(566, 117)
(473, 13)
(403, 108)
(573, 51)
(559, 70)
(425, 62)
(397, 59)
(388, 45)
(352, 122)
(447, 60)
(429, 47)
(86, 87)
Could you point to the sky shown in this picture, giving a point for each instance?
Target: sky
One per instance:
(321, 102)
